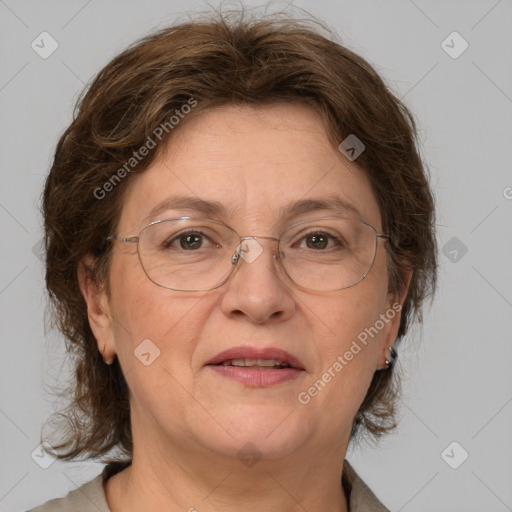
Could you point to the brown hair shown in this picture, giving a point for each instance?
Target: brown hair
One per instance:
(230, 59)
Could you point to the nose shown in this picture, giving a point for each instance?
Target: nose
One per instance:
(257, 289)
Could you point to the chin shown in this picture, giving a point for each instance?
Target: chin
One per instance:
(261, 431)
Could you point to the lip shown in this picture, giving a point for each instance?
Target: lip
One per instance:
(242, 352)
(253, 377)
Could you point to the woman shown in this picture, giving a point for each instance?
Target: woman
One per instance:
(239, 231)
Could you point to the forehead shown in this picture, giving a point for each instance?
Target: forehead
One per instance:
(254, 164)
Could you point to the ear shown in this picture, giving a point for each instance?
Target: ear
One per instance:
(98, 309)
(393, 315)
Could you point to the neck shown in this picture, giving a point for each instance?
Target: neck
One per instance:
(177, 483)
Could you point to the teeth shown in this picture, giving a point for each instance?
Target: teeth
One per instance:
(267, 363)
(244, 362)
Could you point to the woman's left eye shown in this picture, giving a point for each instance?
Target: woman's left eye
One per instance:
(319, 240)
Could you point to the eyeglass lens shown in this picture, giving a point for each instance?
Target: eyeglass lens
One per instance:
(197, 254)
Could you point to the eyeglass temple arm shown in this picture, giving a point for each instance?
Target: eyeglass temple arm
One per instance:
(128, 239)
(390, 238)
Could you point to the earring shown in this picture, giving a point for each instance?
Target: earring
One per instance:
(392, 357)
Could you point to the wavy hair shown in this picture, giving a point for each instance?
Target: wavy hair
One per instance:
(230, 58)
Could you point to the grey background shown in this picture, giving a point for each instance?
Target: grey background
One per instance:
(457, 372)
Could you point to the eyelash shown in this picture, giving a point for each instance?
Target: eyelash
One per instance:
(168, 243)
(337, 239)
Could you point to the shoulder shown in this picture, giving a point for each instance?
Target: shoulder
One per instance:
(361, 497)
(90, 497)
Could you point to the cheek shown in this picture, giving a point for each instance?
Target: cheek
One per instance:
(349, 320)
(349, 333)
(156, 337)
(336, 390)
(143, 311)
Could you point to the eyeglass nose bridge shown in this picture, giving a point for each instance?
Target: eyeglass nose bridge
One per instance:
(250, 251)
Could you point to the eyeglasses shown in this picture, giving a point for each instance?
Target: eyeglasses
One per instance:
(196, 254)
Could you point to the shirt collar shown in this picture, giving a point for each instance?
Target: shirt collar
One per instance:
(360, 496)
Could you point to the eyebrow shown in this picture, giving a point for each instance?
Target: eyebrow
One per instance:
(210, 208)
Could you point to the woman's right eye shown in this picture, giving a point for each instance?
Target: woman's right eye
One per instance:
(192, 241)
(184, 241)
(188, 241)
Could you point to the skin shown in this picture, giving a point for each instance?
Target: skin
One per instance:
(188, 422)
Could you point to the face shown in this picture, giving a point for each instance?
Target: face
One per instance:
(254, 162)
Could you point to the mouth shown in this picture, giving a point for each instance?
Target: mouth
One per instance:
(256, 358)
(256, 367)
(257, 364)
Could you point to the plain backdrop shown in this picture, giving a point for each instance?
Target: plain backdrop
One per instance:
(457, 374)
